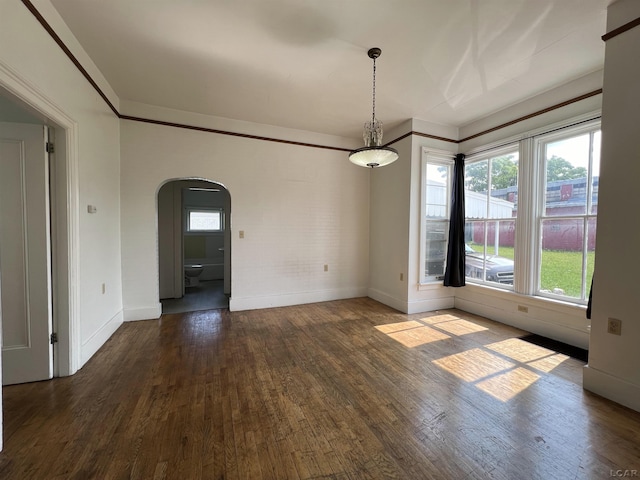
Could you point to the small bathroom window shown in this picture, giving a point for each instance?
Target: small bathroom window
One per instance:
(200, 220)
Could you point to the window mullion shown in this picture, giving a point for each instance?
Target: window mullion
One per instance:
(526, 221)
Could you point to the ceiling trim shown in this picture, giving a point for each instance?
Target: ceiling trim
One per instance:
(420, 134)
(224, 132)
(617, 31)
(534, 114)
(88, 77)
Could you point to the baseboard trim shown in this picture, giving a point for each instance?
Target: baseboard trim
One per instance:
(388, 300)
(99, 338)
(527, 322)
(270, 301)
(142, 313)
(430, 305)
(613, 388)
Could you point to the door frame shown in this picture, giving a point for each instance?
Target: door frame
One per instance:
(64, 215)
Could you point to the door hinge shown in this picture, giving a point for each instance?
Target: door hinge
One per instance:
(54, 338)
(50, 147)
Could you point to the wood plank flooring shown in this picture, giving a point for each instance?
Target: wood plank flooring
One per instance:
(338, 390)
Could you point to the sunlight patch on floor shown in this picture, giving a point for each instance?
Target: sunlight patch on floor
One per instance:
(501, 369)
(519, 350)
(414, 333)
(461, 327)
(549, 363)
(508, 384)
(397, 327)
(433, 319)
(473, 365)
(534, 356)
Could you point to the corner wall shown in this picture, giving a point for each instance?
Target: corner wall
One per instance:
(613, 360)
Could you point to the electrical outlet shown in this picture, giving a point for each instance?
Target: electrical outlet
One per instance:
(326, 268)
(401, 276)
(614, 326)
(523, 309)
(241, 233)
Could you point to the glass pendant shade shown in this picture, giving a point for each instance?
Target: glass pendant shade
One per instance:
(373, 154)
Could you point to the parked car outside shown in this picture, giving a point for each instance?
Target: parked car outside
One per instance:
(498, 269)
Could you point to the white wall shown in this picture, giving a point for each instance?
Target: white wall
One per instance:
(299, 208)
(613, 360)
(28, 53)
(389, 229)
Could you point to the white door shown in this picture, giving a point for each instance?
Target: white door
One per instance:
(25, 254)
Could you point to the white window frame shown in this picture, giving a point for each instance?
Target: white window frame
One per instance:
(527, 254)
(190, 210)
(444, 159)
(539, 206)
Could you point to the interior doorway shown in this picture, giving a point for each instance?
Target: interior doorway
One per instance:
(194, 245)
(37, 284)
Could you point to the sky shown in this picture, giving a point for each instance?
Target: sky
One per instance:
(576, 151)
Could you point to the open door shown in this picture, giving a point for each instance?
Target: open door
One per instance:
(25, 254)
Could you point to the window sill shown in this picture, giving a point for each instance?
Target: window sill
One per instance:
(437, 284)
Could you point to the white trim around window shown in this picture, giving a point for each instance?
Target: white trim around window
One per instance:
(432, 219)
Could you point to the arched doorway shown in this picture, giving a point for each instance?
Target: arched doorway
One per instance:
(194, 245)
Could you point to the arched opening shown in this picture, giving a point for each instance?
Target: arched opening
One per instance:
(194, 245)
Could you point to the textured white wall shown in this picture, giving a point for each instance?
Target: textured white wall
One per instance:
(613, 360)
(299, 208)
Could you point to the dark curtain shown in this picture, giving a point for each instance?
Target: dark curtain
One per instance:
(589, 303)
(454, 275)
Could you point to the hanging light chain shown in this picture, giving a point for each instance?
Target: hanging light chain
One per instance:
(373, 116)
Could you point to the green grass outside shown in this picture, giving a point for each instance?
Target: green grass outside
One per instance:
(559, 269)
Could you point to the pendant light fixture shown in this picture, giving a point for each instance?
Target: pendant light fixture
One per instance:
(373, 154)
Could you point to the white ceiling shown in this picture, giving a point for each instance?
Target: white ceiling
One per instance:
(303, 63)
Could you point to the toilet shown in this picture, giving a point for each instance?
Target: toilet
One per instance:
(192, 272)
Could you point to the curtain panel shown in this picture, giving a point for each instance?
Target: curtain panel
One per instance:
(454, 275)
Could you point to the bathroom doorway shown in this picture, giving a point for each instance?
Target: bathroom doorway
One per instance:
(194, 245)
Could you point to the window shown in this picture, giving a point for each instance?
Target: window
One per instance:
(200, 220)
(567, 213)
(436, 198)
(530, 213)
(491, 205)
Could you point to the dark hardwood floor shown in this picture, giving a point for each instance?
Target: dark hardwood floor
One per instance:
(338, 390)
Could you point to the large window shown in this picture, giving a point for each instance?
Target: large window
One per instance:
(491, 205)
(545, 188)
(436, 198)
(567, 213)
